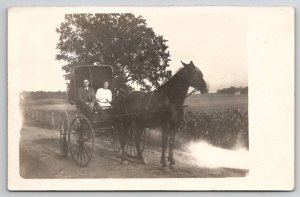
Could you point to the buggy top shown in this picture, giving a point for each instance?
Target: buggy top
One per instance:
(96, 74)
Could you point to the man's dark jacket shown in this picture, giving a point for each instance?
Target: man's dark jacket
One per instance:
(86, 96)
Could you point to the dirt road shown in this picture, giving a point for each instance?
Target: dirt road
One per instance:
(40, 157)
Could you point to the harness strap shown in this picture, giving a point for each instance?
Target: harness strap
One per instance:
(192, 92)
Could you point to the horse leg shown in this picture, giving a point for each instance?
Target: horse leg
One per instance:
(164, 144)
(123, 139)
(171, 147)
(137, 140)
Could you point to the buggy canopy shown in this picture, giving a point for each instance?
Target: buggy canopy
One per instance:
(96, 74)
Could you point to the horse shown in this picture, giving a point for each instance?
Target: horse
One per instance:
(162, 108)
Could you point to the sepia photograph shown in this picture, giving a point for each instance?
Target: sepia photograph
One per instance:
(129, 94)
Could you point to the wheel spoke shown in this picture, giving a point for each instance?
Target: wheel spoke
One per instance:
(74, 133)
(86, 138)
(80, 154)
(75, 149)
(86, 151)
(83, 153)
(81, 140)
(87, 147)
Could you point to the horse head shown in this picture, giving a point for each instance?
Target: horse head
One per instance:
(194, 77)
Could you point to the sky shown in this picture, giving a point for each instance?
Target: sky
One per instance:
(214, 39)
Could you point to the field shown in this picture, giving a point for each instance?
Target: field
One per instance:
(220, 119)
(195, 103)
(210, 126)
(216, 102)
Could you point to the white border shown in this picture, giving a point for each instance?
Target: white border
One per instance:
(271, 112)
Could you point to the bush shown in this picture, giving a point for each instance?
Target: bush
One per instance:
(224, 128)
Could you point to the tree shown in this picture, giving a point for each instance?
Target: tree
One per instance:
(233, 90)
(123, 41)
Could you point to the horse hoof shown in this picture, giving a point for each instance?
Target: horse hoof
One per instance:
(164, 168)
(172, 166)
(144, 161)
(125, 162)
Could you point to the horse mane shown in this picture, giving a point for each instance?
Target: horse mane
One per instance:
(173, 79)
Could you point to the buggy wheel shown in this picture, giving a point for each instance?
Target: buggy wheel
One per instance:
(115, 141)
(64, 139)
(81, 140)
(130, 147)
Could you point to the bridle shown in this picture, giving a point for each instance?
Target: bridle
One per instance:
(192, 92)
(195, 89)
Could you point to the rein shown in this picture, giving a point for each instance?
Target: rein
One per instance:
(192, 92)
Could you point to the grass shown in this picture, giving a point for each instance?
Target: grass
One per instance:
(216, 102)
(195, 102)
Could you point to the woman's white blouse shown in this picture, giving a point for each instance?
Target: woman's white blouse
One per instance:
(104, 97)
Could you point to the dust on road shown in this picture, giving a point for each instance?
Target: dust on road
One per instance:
(40, 157)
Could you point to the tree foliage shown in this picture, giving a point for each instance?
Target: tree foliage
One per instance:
(123, 41)
(233, 90)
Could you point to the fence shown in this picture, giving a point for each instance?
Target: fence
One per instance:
(220, 128)
(45, 118)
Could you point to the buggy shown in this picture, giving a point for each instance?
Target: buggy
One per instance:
(78, 131)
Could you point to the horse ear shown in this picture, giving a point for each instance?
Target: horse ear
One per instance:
(184, 64)
(192, 63)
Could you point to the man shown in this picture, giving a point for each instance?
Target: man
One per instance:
(86, 98)
(104, 96)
